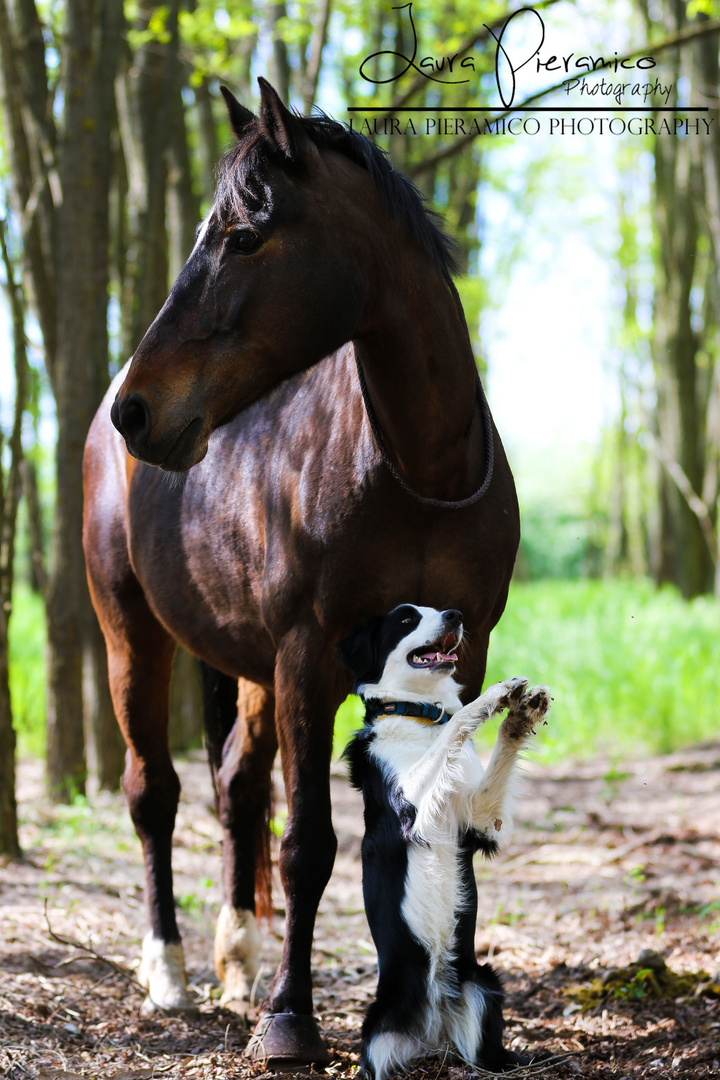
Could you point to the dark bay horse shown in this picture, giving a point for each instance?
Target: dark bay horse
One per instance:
(311, 378)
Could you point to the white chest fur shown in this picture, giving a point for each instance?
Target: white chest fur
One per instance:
(433, 890)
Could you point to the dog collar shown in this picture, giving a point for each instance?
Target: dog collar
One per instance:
(423, 712)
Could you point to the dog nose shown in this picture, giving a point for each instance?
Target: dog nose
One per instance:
(452, 617)
(132, 419)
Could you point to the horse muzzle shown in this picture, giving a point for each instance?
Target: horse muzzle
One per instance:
(175, 452)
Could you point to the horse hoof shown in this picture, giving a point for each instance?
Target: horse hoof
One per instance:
(287, 1041)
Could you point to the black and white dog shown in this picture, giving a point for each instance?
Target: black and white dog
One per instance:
(428, 808)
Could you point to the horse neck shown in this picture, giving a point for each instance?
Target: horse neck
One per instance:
(421, 380)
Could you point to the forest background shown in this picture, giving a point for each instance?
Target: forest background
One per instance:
(590, 279)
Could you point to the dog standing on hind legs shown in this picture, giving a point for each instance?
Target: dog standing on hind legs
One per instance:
(428, 808)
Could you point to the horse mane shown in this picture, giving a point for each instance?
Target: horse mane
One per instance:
(240, 181)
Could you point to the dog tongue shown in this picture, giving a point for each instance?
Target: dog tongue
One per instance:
(441, 658)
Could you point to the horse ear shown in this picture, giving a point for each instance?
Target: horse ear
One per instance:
(284, 130)
(240, 117)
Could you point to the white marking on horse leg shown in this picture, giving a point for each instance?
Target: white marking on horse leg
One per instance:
(162, 973)
(237, 952)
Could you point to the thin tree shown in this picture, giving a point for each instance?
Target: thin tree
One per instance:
(10, 486)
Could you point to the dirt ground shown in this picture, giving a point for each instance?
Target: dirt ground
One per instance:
(605, 862)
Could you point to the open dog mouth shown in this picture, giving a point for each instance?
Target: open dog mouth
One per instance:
(438, 654)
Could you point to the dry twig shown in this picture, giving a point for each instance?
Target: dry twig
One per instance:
(123, 972)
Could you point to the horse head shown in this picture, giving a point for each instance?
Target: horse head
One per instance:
(278, 279)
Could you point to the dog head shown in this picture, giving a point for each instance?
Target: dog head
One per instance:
(409, 653)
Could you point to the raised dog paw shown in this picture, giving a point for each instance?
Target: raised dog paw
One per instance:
(492, 701)
(503, 695)
(512, 692)
(526, 713)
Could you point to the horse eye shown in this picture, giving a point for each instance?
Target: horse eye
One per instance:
(245, 241)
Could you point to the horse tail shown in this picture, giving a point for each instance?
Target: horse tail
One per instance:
(219, 695)
(263, 858)
(220, 709)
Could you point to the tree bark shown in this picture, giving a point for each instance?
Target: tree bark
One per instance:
(9, 842)
(317, 44)
(32, 204)
(209, 143)
(183, 200)
(81, 370)
(682, 389)
(144, 100)
(279, 65)
(38, 577)
(186, 706)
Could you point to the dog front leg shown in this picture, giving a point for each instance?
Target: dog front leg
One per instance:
(491, 803)
(432, 781)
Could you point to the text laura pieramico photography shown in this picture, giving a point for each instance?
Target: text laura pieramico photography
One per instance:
(533, 125)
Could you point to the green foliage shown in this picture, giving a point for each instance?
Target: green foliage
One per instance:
(630, 669)
(348, 718)
(27, 670)
(562, 525)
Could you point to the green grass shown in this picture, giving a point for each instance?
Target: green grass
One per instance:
(631, 670)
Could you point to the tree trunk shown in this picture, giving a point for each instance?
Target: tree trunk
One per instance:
(279, 65)
(682, 399)
(9, 842)
(9, 497)
(145, 96)
(183, 201)
(186, 706)
(209, 145)
(82, 276)
(30, 202)
(317, 44)
(38, 577)
(104, 744)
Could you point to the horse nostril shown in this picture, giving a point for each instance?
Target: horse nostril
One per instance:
(132, 418)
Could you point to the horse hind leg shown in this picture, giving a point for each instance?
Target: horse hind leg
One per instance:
(240, 722)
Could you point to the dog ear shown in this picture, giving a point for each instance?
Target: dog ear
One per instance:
(358, 649)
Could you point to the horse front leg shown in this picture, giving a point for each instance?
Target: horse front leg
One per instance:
(140, 654)
(307, 696)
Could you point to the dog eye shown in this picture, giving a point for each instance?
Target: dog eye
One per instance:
(406, 621)
(244, 241)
